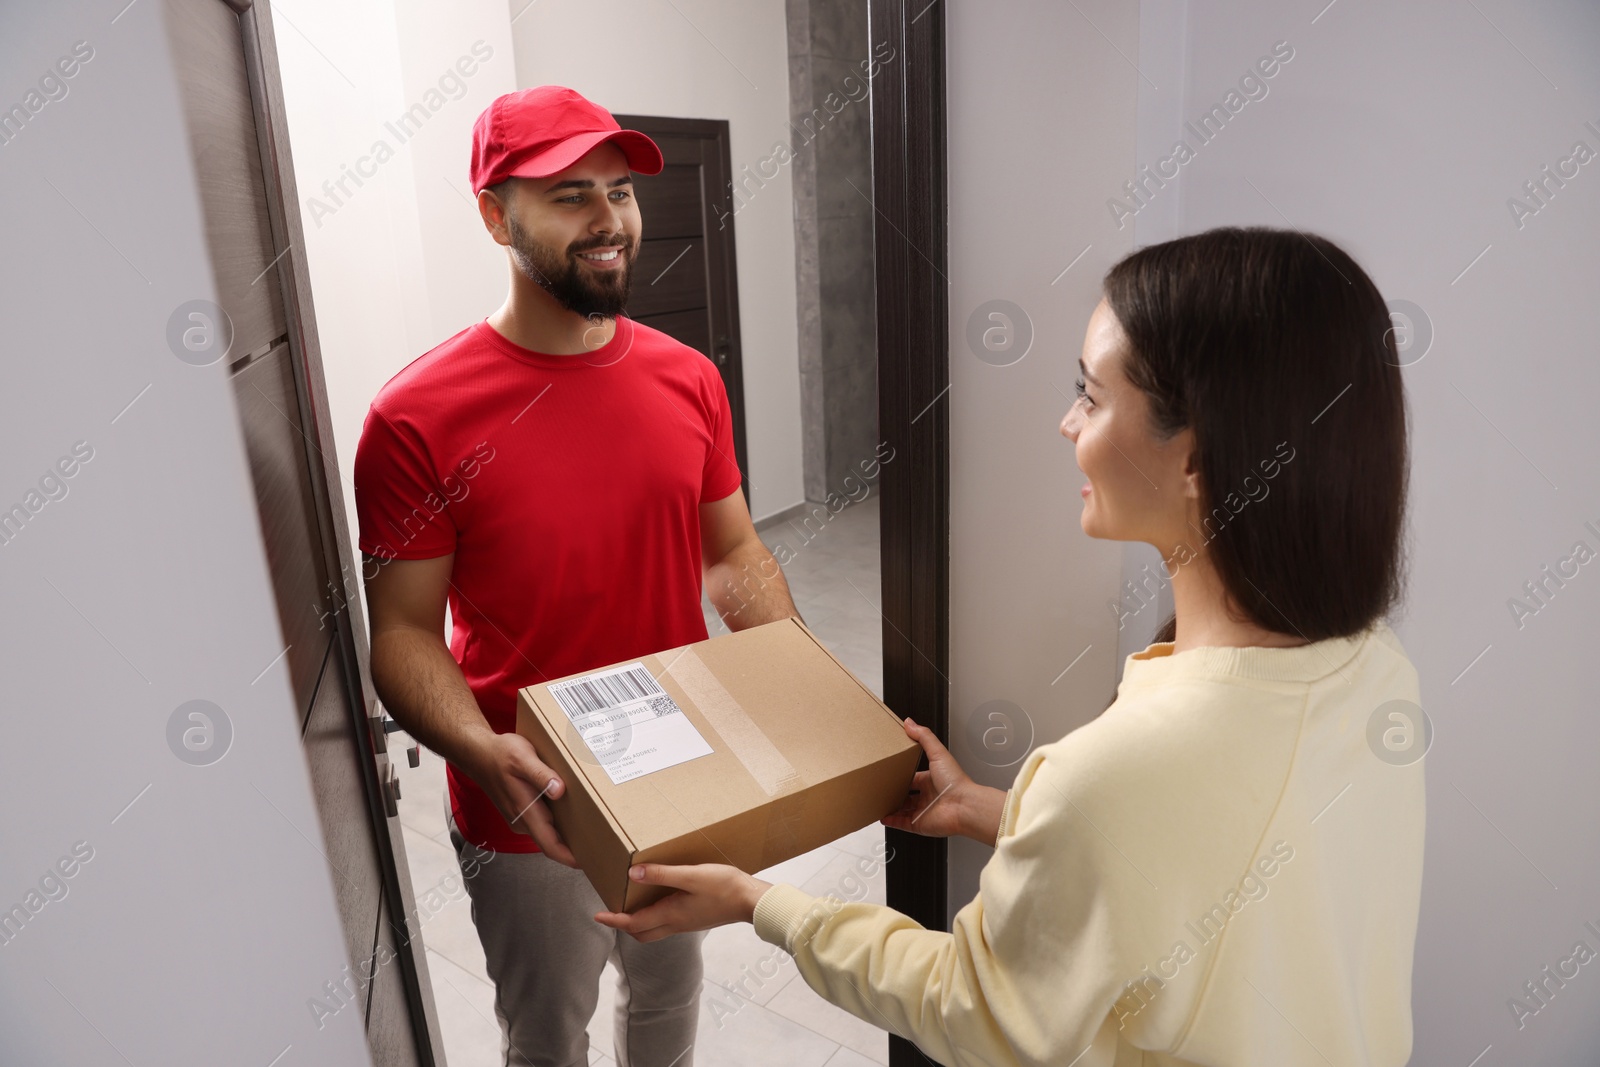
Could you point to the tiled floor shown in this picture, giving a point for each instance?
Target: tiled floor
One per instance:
(833, 574)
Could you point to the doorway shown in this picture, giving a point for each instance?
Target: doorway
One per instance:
(855, 192)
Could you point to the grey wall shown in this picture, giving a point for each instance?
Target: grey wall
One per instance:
(829, 119)
(204, 920)
(1401, 131)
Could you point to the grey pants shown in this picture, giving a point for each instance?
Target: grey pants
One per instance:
(545, 952)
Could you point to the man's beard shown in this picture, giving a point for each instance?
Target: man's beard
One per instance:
(585, 292)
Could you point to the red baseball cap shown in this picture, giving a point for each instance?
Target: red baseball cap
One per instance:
(533, 133)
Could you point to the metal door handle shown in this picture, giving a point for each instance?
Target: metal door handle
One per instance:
(414, 753)
(391, 791)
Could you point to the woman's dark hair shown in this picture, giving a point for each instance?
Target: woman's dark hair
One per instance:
(1272, 344)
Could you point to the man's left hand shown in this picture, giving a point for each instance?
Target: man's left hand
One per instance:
(708, 894)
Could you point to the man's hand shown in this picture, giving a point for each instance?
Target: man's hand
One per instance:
(509, 770)
(421, 683)
(709, 894)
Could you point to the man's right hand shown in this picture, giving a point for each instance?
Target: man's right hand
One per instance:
(517, 781)
(412, 666)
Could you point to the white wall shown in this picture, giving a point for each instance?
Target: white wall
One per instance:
(1040, 110)
(711, 59)
(1400, 132)
(205, 919)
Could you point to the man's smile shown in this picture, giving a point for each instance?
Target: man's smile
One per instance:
(605, 258)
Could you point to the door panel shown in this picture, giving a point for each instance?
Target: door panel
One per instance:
(690, 327)
(388, 1029)
(674, 200)
(269, 415)
(687, 212)
(333, 756)
(670, 275)
(226, 68)
(222, 136)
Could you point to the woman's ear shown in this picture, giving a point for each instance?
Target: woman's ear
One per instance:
(1183, 440)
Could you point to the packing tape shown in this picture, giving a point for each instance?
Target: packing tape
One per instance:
(768, 766)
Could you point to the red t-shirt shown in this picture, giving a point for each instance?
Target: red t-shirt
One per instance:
(568, 488)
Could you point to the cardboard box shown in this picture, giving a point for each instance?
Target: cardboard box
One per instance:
(749, 748)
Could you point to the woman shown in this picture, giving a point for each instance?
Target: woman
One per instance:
(1222, 868)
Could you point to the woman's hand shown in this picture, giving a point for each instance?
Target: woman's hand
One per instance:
(708, 894)
(944, 800)
(933, 807)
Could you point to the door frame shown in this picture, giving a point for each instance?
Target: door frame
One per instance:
(910, 260)
(350, 635)
(913, 326)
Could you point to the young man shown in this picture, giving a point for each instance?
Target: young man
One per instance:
(564, 477)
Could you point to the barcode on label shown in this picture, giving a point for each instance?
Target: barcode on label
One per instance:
(606, 689)
(664, 705)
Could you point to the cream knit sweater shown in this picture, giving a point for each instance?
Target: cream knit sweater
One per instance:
(1218, 870)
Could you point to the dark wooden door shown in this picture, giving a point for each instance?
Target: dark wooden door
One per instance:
(684, 281)
(913, 322)
(225, 64)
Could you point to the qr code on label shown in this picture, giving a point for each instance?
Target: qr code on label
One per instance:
(664, 705)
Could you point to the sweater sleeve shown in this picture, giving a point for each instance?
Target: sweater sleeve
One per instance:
(1032, 966)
